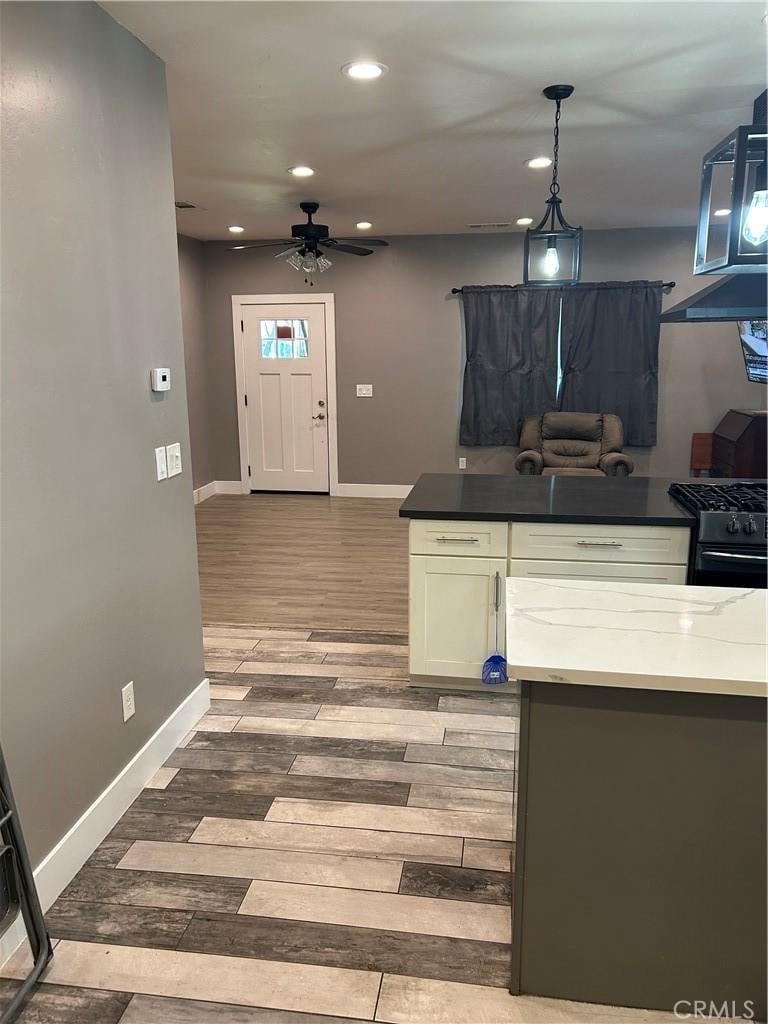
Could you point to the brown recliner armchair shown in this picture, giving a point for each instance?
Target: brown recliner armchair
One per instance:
(573, 444)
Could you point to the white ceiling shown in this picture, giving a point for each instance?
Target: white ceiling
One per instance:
(441, 140)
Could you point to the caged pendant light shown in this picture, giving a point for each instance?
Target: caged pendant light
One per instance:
(553, 247)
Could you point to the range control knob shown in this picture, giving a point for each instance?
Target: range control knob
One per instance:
(732, 526)
(750, 526)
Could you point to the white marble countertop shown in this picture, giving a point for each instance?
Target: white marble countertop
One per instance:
(653, 636)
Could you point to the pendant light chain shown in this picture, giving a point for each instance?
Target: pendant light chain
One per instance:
(554, 187)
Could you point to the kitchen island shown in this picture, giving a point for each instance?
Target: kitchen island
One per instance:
(468, 532)
(641, 839)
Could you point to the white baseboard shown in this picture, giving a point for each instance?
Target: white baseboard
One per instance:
(60, 866)
(371, 490)
(217, 487)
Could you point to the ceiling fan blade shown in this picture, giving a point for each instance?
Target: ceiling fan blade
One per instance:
(284, 252)
(261, 245)
(368, 241)
(353, 250)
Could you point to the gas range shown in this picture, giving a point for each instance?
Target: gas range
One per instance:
(732, 536)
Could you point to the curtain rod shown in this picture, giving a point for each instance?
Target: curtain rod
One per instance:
(666, 286)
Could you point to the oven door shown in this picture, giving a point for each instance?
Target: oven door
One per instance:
(720, 566)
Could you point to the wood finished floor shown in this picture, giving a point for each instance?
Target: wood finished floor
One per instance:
(321, 849)
(304, 559)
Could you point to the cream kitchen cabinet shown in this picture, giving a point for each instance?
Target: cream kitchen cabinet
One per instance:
(454, 604)
(546, 569)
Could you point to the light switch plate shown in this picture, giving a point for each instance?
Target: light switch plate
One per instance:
(462, 463)
(129, 701)
(161, 463)
(174, 459)
(365, 390)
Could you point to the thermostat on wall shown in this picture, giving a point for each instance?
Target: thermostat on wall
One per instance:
(161, 379)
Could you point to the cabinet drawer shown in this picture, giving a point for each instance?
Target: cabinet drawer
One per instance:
(433, 537)
(666, 545)
(544, 569)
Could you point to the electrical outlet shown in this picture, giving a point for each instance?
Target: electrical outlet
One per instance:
(364, 390)
(129, 701)
(174, 459)
(161, 463)
(462, 463)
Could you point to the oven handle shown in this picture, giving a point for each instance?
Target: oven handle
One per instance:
(728, 555)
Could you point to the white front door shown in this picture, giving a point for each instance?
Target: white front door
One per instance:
(286, 396)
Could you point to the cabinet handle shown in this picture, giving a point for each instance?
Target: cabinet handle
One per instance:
(457, 540)
(599, 544)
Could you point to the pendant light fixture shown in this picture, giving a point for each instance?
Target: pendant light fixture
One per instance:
(553, 247)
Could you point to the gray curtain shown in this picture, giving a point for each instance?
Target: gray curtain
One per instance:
(510, 373)
(610, 353)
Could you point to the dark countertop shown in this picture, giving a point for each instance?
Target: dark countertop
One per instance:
(633, 500)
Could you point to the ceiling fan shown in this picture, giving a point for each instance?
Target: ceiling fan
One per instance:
(306, 248)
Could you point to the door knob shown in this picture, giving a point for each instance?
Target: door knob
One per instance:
(320, 416)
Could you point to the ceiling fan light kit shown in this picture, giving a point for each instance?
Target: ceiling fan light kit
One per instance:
(304, 250)
(553, 247)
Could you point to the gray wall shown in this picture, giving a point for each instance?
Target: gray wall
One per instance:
(192, 281)
(399, 328)
(99, 576)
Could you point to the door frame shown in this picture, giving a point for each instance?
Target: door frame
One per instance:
(324, 299)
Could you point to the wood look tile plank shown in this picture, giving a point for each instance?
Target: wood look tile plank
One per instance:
(489, 740)
(481, 705)
(114, 923)
(266, 786)
(358, 636)
(357, 842)
(356, 660)
(226, 642)
(219, 691)
(331, 647)
(343, 730)
(285, 683)
(221, 652)
(486, 854)
(143, 888)
(457, 884)
(410, 1000)
(192, 805)
(161, 778)
(254, 633)
(165, 1010)
(425, 821)
(372, 694)
(63, 1004)
(374, 949)
(274, 865)
(402, 771)
(436, 719)
(217, 723)
(108, 853)
(276, 668)
(153, 822)
(254, 742)
(215, 759)
(211, 663)
(265, 708)
(290, 657)
(456, 798)
(469, 757)
(238, 980)
(421, 914)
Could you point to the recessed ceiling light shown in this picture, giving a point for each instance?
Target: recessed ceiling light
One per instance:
(364, 70)
(302, 171)
(524, 220)
(539, 161)
(722, 213)
(238, 247)
(235, 229)
(363, 225)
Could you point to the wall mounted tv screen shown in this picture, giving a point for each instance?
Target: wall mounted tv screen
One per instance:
(754, 346)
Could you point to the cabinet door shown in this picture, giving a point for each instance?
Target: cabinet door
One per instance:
(453, 612)
(544, 569)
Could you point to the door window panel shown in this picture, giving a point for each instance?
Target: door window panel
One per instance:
(284, 339)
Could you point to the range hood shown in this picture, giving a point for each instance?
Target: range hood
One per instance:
(741, 297)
